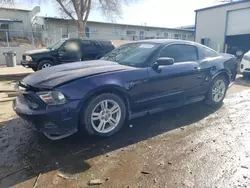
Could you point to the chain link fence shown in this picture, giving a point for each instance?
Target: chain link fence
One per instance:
(19, 38)
(21, 41)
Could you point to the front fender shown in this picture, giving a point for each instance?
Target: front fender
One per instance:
(225, 73)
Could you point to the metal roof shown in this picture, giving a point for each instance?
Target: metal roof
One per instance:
(145, 26)
(166, 41)
(9, 21)
(10, 7)
(222, 5)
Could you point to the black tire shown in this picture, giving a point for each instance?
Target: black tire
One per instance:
(209, 96)
(86, 114)
(44, 62)
(34, 69)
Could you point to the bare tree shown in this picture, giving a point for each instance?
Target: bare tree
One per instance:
(79, 10)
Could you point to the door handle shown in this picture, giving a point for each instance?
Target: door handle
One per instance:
(199, 77)
(197, 68)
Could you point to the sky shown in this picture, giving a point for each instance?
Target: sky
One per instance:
(163, 13)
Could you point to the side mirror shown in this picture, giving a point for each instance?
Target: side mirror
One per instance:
(163, 61)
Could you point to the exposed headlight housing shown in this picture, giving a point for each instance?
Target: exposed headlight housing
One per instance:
(28, 58)
(52, 97)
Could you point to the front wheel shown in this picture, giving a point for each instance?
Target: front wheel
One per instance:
(217, 91)
(45, 64)
(104, 115)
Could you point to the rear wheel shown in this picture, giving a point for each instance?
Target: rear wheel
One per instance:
(45, 64)
(217, 91)
(104, 115)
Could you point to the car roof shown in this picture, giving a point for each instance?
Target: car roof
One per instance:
(81, 38)
(167, 41)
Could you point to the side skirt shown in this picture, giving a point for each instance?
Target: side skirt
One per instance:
(167, 106)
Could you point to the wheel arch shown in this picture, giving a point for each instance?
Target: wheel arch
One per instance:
(222, 73)
(109, 89)
(47, 58)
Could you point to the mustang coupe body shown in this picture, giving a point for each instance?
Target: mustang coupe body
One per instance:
(133, 80)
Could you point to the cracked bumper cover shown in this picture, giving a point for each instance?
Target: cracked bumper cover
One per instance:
(55, 122)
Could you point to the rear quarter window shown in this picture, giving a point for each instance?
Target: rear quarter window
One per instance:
(207, 53)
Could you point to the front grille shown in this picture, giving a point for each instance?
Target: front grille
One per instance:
(31, 102)
(24, 57)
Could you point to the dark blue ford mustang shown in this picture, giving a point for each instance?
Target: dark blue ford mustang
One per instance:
(133, 80)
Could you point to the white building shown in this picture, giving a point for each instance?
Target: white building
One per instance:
(16, 22)
(225, 27)
(64, 28)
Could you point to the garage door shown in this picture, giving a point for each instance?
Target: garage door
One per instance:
(238, 22)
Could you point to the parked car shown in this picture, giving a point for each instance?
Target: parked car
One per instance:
(66, 51)
(245, 64)
(133, 80)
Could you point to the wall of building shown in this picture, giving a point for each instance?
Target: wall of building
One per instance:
(211, 23)
(17, 15)
(104, 31)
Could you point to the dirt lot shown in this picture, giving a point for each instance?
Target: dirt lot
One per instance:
(191, 146)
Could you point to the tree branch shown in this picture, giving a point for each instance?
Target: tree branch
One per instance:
(65, 10)
(88, 6)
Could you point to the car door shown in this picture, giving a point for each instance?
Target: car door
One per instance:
(170, 83)
(90, 49)
(69, 52)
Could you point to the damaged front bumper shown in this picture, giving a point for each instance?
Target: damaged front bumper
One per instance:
(56, 122)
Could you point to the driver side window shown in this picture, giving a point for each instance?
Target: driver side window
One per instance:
(180, 52)
(71, 46)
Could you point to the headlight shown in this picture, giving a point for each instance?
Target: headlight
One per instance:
(246, 57)
(28, 58)
(52, 97)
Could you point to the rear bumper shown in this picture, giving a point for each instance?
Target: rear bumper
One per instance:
(55, 122)
(28, 64)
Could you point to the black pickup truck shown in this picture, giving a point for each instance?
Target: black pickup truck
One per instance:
(66, 51)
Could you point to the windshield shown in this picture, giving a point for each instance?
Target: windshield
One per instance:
(56, 45)
(133, 54)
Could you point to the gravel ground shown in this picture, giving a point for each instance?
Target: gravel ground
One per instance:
(191, 146)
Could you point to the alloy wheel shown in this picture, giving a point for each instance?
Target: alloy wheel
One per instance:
(218, 90)
(106, 116)
(46, 65)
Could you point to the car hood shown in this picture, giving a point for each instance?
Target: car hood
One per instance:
(247, 54)
(39, 51)
(60, 74)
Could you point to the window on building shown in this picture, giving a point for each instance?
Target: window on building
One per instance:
(184, 36)
(158, 34)
(93, 30)
(116, 31)
(166, 35)
(130, 32)
(180, 52)
(190, 37)
(177, 36)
